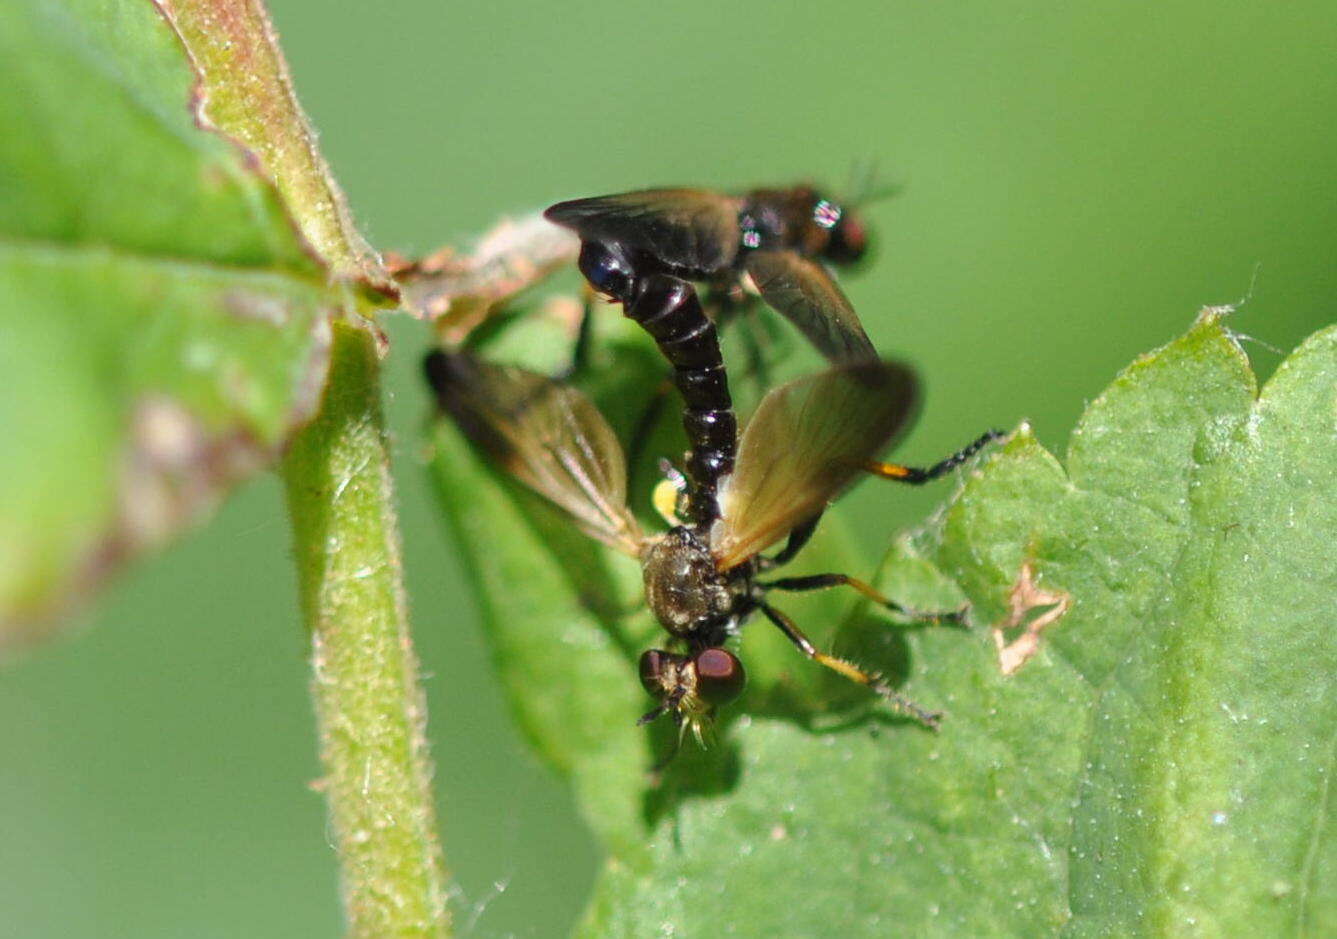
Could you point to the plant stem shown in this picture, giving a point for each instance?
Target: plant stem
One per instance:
(368, 700)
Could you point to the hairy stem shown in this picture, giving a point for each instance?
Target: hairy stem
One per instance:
(369, 704)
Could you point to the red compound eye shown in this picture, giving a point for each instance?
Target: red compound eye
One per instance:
(849, 241)
(654, 664)
(719, 676)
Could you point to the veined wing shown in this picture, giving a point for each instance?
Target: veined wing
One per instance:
(550, 437)
(807, 442)
(802, 290)
(689, 228)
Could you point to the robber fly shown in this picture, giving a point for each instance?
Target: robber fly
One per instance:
(807, 442)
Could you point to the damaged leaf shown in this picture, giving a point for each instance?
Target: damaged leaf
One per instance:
(1030, 609)
(1156, 762)
(163, 321)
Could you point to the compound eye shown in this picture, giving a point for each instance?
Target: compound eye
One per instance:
(849, 241)
(719, 676)
(654, 666)
(607, 272)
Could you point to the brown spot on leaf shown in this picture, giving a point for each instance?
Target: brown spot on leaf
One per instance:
(171, 472)
(1026, 597)
(260, 307)
(174, 468)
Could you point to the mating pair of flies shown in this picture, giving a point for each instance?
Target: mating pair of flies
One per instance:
(738, 495)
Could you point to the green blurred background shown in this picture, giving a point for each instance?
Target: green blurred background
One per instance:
(1079, 179)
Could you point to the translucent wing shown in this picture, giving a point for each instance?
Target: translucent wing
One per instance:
(693, 229)
(806, 443)
(549, 436)
(805, 294)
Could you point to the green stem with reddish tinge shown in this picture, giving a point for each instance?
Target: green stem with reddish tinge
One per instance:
(365, 683)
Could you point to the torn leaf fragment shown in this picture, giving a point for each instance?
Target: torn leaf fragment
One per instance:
(1025, 598)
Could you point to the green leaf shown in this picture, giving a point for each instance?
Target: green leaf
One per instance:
(1158, 763)
(163, 321)
(243, 88)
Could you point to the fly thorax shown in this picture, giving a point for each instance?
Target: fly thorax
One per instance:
(682, 587)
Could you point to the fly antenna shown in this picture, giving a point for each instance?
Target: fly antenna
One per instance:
(865, 185)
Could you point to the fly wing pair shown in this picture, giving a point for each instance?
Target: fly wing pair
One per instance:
(699, 230)
(806, 443)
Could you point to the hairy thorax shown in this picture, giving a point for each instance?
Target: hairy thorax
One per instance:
(682, 586)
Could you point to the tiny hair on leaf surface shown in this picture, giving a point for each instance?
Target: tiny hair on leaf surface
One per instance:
(164, 303)
(1152, 758)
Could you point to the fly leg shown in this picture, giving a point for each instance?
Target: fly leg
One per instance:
(752, 335)
(580, 352)
(870, 680)
(917, 476)
(799, 537)
(825, 581)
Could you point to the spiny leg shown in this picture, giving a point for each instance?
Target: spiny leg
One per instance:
(825, 581)
(916, 476)
(871, 680)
